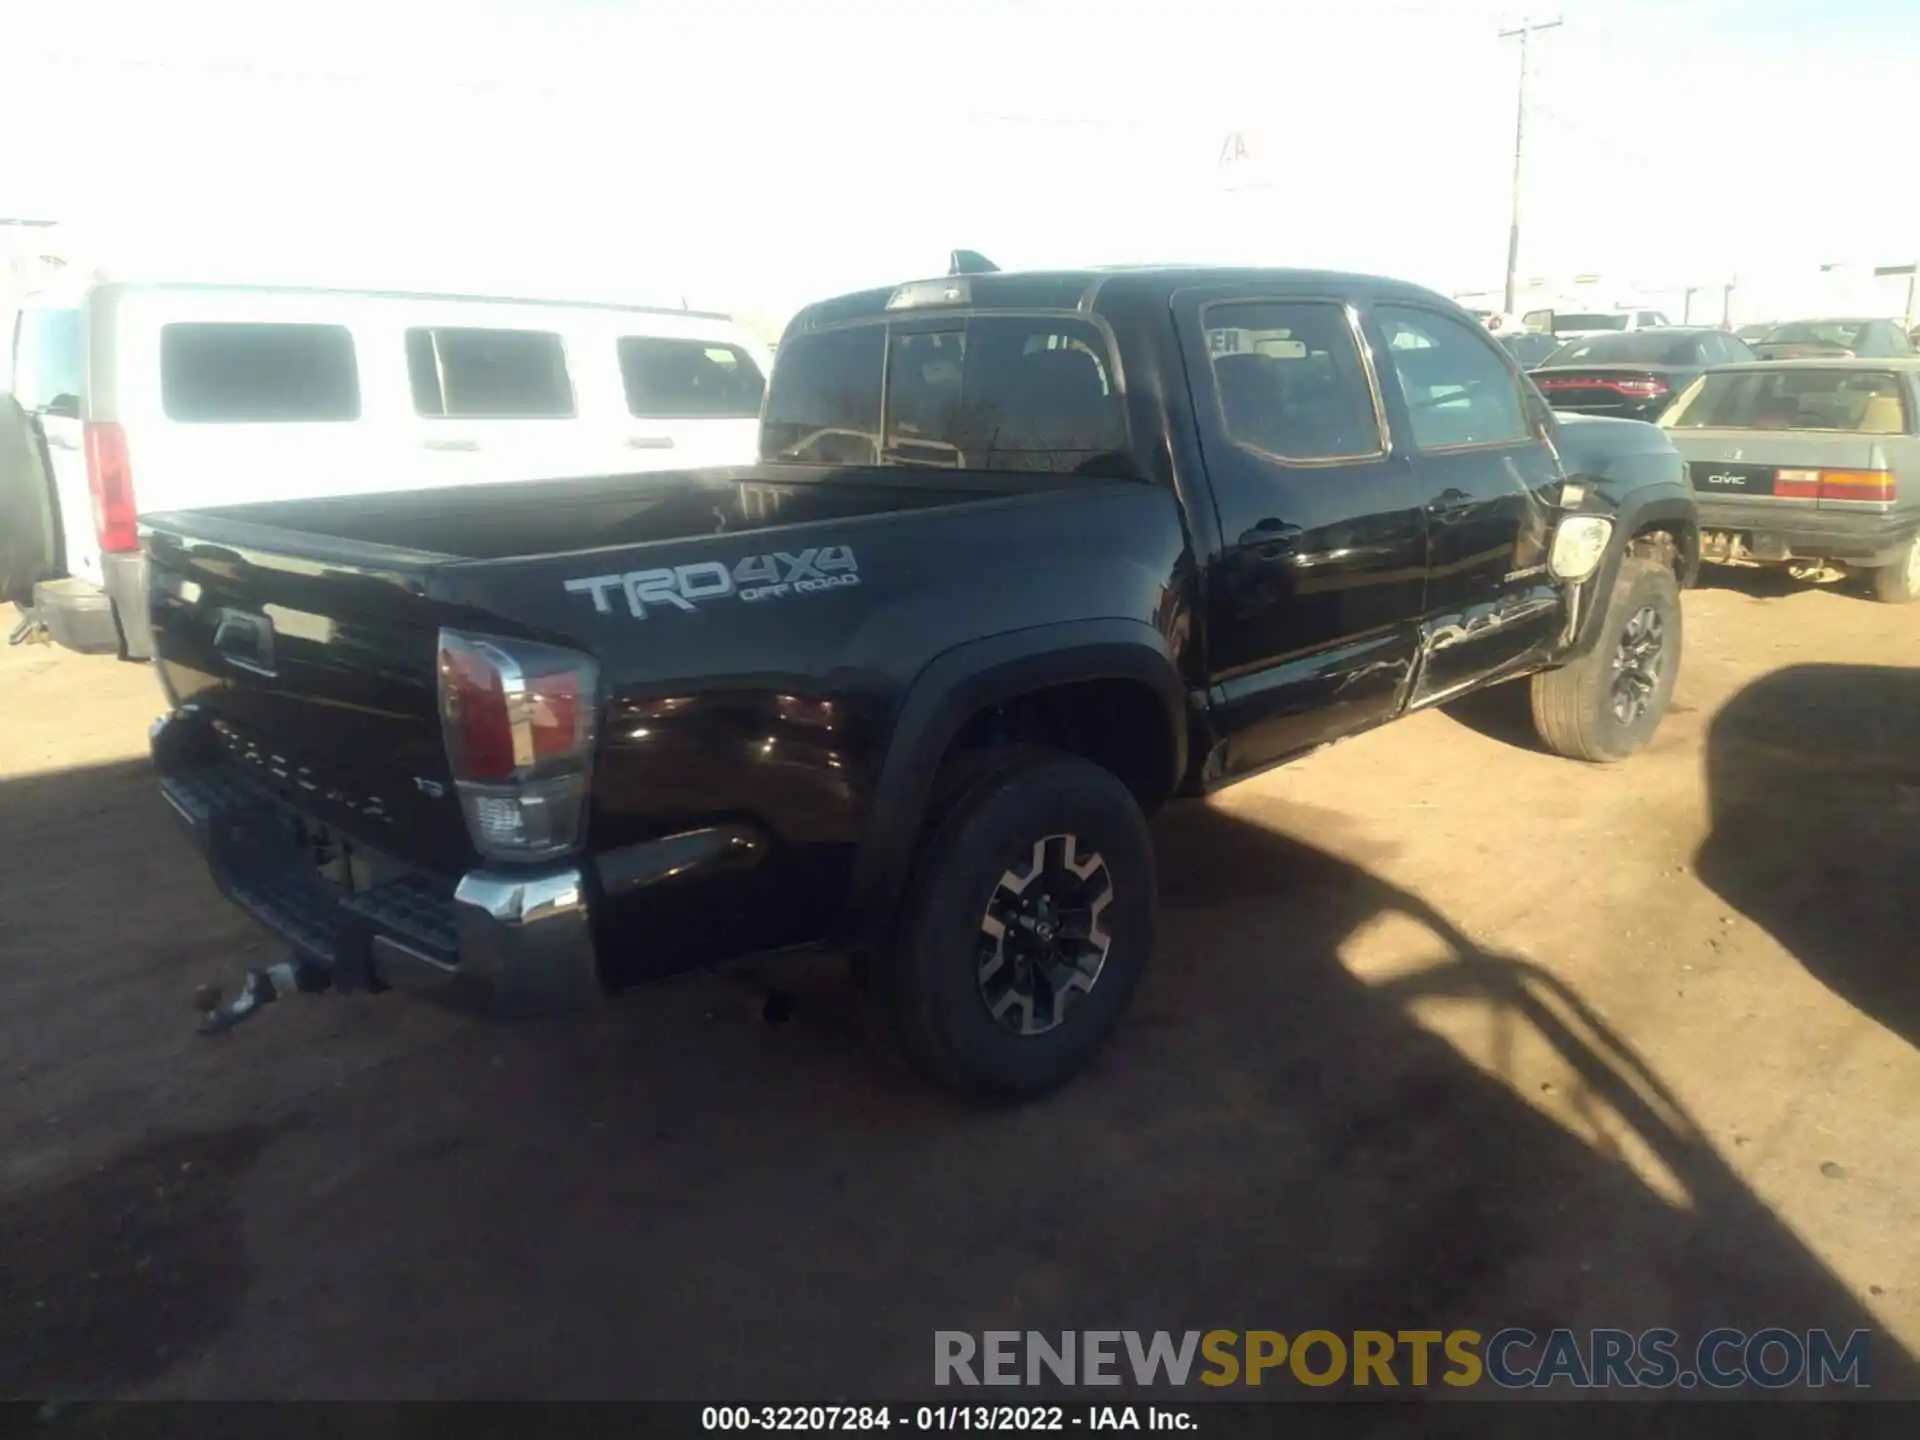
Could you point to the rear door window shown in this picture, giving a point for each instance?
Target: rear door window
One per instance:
(488, 374)
(1290, 380)
(1859, 402)
(689, 379)
(245, 373)
(1458, 389)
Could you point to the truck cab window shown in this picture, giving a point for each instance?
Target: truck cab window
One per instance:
(1458, 389)
(1290, 380)
(1006, 393)
(823, 404)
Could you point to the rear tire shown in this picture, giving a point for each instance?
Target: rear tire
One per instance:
(1025, 930)
(1607, 705)
(1899, 583)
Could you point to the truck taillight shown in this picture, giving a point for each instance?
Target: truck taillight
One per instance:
(519, 721)
(110, 482)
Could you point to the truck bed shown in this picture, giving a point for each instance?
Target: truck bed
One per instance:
(302, 635)
(420, 529)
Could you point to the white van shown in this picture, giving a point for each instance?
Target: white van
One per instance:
(1575, 324)
(150, 397)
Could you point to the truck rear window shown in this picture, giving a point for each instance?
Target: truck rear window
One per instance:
(689, 379)
(980, 392)
(239, 373)
(1859, 402)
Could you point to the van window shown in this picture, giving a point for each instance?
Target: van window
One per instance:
(49, 361)
(489, 374)
(686, 379)
(823, 403)
(244, 373)
(1005, 393)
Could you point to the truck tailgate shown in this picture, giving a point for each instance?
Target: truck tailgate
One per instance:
(317, 672)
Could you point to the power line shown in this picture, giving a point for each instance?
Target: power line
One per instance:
(1585, 131)
(1525, 31)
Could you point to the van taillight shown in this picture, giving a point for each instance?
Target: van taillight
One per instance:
(519, 720)
(110, 482)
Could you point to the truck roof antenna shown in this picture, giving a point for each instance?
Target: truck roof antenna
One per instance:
(970, 262)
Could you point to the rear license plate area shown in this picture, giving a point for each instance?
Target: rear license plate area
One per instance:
(277, 844)
(1711, 477)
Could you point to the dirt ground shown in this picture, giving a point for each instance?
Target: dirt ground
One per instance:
(1441, 1031)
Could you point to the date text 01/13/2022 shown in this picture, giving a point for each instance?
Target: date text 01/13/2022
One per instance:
(937, 1418)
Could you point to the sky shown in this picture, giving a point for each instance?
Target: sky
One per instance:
(755, 155)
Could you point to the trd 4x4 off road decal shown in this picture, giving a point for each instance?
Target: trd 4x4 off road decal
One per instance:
(758, 577)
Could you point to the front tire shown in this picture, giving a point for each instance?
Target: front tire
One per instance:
(1899, 583)
(1607, 705)
(1026, 928)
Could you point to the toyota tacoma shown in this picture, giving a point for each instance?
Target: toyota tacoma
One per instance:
(1024, 557)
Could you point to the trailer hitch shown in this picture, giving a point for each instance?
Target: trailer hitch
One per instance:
(257, 988)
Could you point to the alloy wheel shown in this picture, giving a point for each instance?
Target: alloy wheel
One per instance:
(1638, 659)
(1044, 935)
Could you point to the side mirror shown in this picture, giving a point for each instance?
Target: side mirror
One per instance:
(62, 407)
(1539, 413)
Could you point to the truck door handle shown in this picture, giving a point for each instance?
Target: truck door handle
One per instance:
(650, 442)
(1448, 501)
(451, 444)
(1272, 540)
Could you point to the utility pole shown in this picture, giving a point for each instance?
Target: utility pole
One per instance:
(1526, 30)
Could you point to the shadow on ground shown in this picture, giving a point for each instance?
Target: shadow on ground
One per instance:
(673, 1199)
(1500, 712)
(1813, 773)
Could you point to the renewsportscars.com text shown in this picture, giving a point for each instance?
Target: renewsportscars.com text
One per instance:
(1512, 1358)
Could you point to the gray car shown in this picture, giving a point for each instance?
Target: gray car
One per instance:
(1812, 464)
(1859, 337)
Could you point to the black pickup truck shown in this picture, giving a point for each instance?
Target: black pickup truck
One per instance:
(1027, 555)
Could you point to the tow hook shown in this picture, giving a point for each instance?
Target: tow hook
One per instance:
(257, 988)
